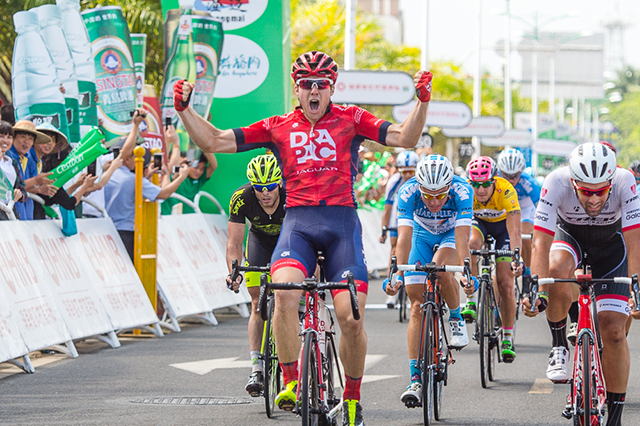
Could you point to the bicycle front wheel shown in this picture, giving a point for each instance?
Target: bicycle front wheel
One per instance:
(495, 338)
(309, 386)
(587, 381)
(402, 303)
(428, 361)
(484, 332)
(440, 376)
(272, 371)
(330, 361)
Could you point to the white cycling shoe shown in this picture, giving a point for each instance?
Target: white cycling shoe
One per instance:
(413, 395)
(459, 336)
(558, 369)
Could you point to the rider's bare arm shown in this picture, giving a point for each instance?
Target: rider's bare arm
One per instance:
(462, 243)
(234, 245)
(514, 229)
(407, 134)
(208, 137)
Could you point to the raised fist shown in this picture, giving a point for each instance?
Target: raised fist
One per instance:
(181, 94)
(422, 80)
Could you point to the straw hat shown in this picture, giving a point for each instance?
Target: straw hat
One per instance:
(49, 129)
(27, 126)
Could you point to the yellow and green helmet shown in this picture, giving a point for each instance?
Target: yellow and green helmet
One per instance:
(263, 169)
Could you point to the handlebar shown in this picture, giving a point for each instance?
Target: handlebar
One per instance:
(588, 279)
(386, 229)
(428, 267)
(311, 285)
(236, 269)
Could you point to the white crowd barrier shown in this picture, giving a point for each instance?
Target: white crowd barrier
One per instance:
(54, 289)
(192, 267)
(377, 254)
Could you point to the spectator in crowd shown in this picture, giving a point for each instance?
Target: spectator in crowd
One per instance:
(634, 167)
(200, 172)
(11, 170)
(119, 192)
(46, 159)
(8, 114)
(24, 137)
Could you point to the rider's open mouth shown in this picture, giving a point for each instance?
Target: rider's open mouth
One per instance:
(314, 105)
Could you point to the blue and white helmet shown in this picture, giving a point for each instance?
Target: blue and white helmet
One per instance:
(407, 160)
(511, 161)
(434, 172)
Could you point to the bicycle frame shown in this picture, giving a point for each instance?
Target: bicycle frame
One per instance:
(588, 379)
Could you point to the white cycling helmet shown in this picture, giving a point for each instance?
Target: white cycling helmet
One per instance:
(511, 161)
(592, 162)
(407, 160)
(434, 172)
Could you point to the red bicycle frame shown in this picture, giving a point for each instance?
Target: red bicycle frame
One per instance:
(313, 322)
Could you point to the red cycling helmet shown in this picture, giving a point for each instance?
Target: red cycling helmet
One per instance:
(481, 169)
(610, 146)
(314, 64)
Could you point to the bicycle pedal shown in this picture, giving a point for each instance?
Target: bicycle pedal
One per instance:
(567, 414)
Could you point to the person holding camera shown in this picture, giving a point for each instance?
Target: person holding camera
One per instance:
(200, 171)
(119, 192)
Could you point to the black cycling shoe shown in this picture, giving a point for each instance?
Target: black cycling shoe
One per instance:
(255, 385)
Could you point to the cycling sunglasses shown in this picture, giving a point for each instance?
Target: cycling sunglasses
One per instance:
(485, 184)
(511, 177)
(307, 83)
(440, 196)
(591, 192)
(266, 188)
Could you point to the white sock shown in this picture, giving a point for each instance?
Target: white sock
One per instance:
(256, 362)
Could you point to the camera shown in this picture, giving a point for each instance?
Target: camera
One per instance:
(176, 169)
(116, 152)
(91, 168)
(157, 161)
(167, 122)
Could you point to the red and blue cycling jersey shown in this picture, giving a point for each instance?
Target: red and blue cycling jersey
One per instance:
(318, 162)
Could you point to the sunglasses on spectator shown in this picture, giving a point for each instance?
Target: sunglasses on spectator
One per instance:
(266, 188)
(439, 196)
(591, 192)
(307, 83)
(485, 184)
(511, 177)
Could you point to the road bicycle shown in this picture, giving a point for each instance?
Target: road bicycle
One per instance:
(488, 331)
(435, 354)
(586, 401)
(317, 400)
(402, 293)
(272, 373)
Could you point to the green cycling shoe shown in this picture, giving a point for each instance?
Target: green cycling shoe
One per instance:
(286, 399)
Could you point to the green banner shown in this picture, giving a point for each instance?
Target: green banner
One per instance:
(253, 79)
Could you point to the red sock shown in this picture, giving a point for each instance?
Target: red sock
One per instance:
(352, 388)
(289, 371)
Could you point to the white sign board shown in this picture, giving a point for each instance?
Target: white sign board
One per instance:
(70, 285)
(25, 288)
(440, 114)
(372, 87)
(107, 263)
(207, 258)
(244, 66)
(522, 120)
(479, 126)
(553, 147)
(11, 343)
(511, 137)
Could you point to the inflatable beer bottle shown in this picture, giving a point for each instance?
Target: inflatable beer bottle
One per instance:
(139, 52)
(207, 46)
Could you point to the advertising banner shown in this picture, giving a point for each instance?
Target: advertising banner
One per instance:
(105, 261)
(71, 287)
(253, 79)
(374, 88)
(207, 46)
(479, 126)
(152, 128)
(25, 289)
(11, 343)
(441, 114)
(114, 67)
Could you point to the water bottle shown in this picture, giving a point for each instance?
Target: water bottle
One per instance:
(34, 81)
(77, 38)
(53, 36)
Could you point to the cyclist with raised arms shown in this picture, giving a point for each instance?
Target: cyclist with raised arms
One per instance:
(434, 207)
(406, 162)
(591, 207)
(511, 165)
(496, 211)
(317, 146)
(261, 203)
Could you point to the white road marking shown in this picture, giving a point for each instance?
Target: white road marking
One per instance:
(206, 366)
(541, 386)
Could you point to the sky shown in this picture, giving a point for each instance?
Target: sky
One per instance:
(453, 26)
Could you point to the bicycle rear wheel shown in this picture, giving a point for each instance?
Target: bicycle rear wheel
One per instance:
(309, 387)
(330, 361)
(442, 361)
(272, 371)
(402, 303)
(484, 330)
(428, 360)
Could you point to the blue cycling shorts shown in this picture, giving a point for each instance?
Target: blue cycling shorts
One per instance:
(422, 244)
(336, 230)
